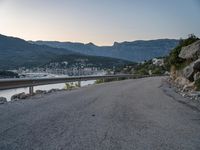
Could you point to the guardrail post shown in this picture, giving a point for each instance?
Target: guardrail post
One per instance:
(79, 83)
(31, 90)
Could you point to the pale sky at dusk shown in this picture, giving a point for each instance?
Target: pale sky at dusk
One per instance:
(99, 21)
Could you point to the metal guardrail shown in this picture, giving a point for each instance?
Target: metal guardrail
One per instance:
(19, 83)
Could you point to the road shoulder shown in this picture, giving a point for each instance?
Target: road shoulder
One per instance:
(170, 91)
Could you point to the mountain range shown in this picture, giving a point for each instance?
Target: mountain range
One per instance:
(16, 52)
(135, 51)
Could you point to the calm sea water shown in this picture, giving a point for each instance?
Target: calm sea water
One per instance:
(8, 93)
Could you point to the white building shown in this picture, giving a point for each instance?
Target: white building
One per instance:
(158, 62)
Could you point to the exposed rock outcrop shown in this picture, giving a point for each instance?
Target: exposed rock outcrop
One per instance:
(191, 51)
(40, 92)
(19, 96)
(3, 100)
(188, 72)
(196, 76)
(54, 90)
(188, 87)
(181, 82)
(186, 80)
(196, 65)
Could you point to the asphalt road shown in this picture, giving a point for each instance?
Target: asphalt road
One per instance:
(124, 115)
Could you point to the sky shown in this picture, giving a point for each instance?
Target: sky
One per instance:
(99, 21)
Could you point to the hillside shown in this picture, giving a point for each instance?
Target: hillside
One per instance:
(77, 60)
(136, 51)
(15, 52)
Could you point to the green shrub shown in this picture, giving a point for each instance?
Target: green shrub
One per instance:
(70, 85)
(157, 71)
(8, 74)
(98, 81)
(105, 80)
(142, 71)
(173, 58)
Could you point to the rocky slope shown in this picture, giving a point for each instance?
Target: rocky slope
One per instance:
(187, 78)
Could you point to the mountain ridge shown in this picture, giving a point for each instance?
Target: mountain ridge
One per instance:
(16, 52)
(20, 52)
(146, 40)
(135, 51)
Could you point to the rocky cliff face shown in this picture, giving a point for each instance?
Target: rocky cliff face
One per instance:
(187, 77)
(191, 53)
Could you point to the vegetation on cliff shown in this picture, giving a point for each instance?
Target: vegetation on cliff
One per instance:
(174, 60)
(148, 68)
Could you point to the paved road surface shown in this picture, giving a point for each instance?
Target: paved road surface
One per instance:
(124, 115)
